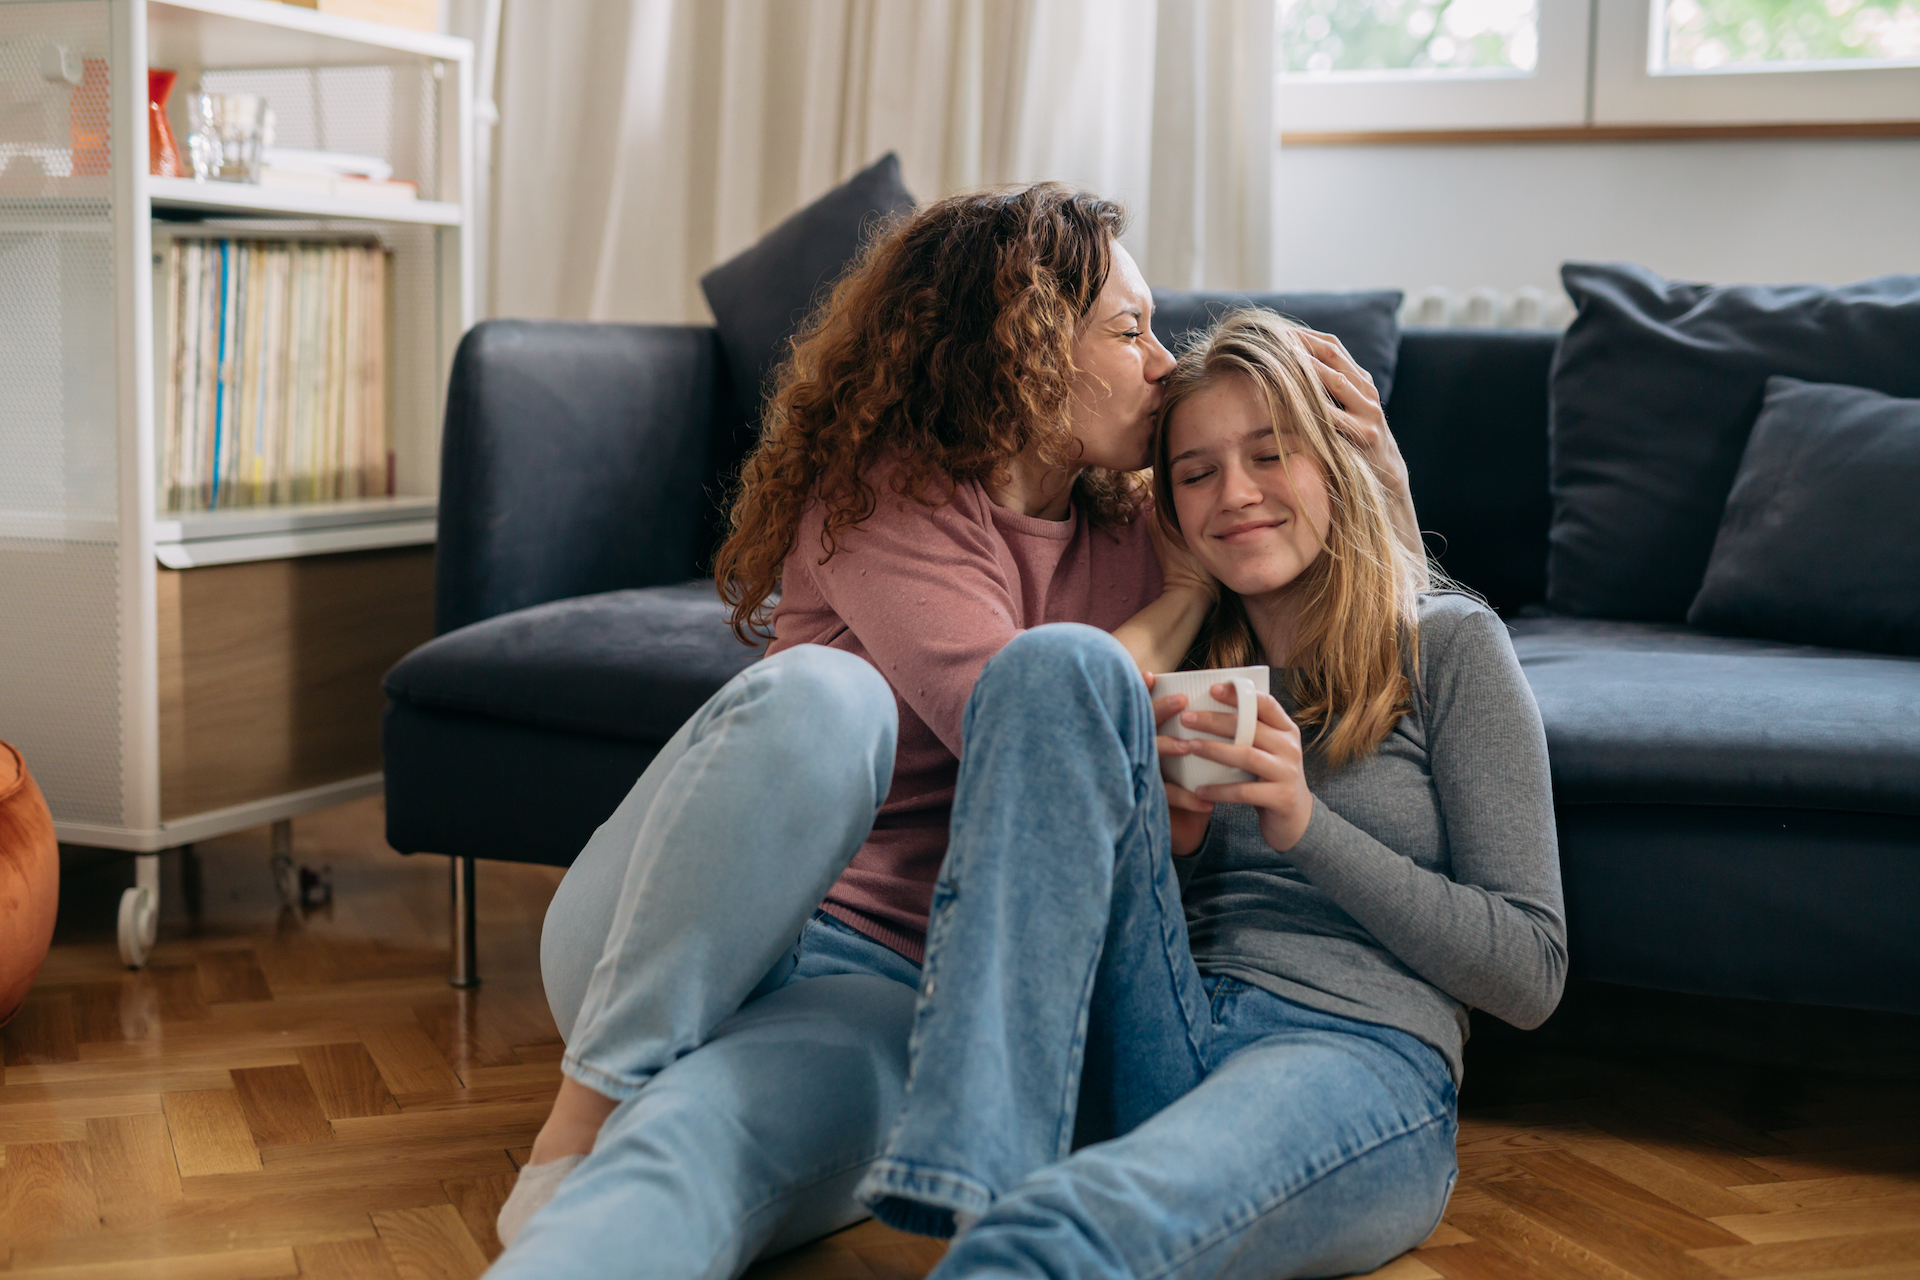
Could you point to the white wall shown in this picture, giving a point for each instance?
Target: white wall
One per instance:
(1507, 216)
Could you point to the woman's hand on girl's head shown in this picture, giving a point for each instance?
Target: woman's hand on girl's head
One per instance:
(1276, 760)
(1360, 416)
(1363, 421)
(1187, 813)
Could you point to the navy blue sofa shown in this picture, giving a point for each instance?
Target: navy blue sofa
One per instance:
(1737, 817)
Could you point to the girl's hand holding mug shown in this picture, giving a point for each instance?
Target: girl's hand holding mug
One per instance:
(1187, 813)
(1275, 758)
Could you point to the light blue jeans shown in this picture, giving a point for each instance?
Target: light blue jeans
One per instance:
(760, 1050)
(1244, 1135)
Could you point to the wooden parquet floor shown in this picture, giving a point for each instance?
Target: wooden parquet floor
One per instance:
(280, 1095)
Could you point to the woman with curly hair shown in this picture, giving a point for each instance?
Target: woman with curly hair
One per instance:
(950, 458)
(1217, 1034)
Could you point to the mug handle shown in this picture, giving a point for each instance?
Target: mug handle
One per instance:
(1247, 704)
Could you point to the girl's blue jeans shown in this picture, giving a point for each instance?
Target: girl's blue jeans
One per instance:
(1231, 1133)
(760, 1051)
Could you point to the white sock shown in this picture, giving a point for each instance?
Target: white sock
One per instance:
(535, 1186)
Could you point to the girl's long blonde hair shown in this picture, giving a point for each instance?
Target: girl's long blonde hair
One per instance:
(1356, 637)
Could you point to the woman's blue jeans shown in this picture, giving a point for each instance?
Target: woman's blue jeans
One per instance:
(1244, 1135)
(760, 1050)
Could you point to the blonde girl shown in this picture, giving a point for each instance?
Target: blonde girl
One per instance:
(1258, 1080)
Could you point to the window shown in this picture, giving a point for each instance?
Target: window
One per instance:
(1424, 37)
(1756, 35)
(1422, 65)
(1756, 61)
(1434, 64)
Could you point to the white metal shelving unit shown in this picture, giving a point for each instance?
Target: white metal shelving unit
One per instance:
(80, 536)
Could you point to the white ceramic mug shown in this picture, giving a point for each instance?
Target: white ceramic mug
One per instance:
(1195, 771)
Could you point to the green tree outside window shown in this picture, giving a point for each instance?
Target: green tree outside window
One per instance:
(1470, 36)
(1500, 37)
(1703, 34)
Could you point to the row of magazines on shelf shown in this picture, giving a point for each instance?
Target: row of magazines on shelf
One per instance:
(276, 372)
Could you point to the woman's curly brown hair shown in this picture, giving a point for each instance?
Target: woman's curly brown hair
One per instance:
(948, 345)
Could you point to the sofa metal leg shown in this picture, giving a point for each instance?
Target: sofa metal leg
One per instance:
(466, 972)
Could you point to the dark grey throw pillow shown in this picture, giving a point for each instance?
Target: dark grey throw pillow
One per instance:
(1654, 389)
(1820, 543)
(1367, 323)
(762, 295)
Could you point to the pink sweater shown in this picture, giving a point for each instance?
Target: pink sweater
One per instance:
(927, 596)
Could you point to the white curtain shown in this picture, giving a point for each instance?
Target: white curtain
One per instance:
(479, 21)
(642, 141)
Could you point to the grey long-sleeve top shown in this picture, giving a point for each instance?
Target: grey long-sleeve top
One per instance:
(1428, 880)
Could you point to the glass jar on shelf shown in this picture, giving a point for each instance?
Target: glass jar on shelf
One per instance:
(229, 132)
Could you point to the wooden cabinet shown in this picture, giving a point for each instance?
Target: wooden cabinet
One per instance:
(269, 672)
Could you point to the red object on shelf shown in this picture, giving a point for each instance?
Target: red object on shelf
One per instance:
(29, 881)
(163, 155)
(88, 121)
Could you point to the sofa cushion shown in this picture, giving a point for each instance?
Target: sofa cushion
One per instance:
(1367, 323)
(761, 296)
(1655, 387)
(1820, 542)
(624, 664)
(1469, 409)
(1651, 713)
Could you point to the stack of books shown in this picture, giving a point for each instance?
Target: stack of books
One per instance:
(332, 173)
(275, 369)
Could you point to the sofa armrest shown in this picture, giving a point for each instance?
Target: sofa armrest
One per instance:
(575, 460)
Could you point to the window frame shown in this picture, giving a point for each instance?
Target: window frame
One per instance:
(1626, 91)
(1593, 74)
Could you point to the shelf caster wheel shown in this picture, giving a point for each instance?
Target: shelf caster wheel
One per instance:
(139, 914)
(140, 911)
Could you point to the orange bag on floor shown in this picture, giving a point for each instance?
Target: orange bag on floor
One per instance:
(29, 881)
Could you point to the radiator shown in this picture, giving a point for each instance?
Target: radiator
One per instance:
(1527, 307)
